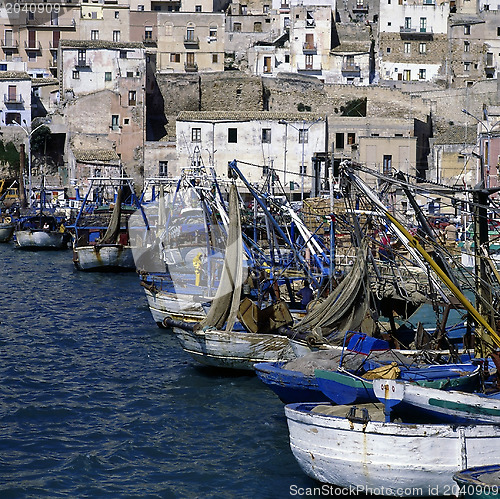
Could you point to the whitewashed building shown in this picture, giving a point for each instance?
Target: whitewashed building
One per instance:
(15, 92)
(292, 145)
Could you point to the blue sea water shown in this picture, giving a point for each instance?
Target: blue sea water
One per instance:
(97, 401)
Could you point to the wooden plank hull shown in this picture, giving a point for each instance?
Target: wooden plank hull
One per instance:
(396, 459)
(290, 386)
(234, 350)
(111, 257)
(41, 239)
(411, 400)
(6, 232)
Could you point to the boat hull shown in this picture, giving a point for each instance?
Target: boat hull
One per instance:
(6, 232)
(110, 257)
(479, 483)
(41, 239)
(395, 459)
(290, 386)
(234, 350)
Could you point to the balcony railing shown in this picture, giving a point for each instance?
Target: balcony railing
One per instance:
(10, 44)
(313, 68)
(13, 99)
(353, 69)
(309, 48)
(82, 63)
(360, 9)
(149, 41)
(33, 45)
(408, 33)
(191, 41)
(55, 23)
(190, 67)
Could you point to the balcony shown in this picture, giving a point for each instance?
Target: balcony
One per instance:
(82, 63)
(309, 48)
(190, 67)
(415, 34)
(55, 23)
(33, 45)
(191, 42)
(349, 69)
(310, 68)
(360, 9)
(13, 99)
(10, 45)
(149, 41)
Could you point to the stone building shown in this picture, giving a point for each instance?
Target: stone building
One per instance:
(291, 145)
(413, 39)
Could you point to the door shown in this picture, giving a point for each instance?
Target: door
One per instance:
(56, 35)
(12, 93)
(8, 38)
(32, 39)
(267, 64)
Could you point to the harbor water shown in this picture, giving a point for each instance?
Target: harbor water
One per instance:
(97, 401)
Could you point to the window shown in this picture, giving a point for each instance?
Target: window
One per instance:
(287, 58)
(309, 61)
(107, 76)
(175, 57)
(215, 58)
(148, 33)
(244, 10)
(467, 29)
(32, 56)
(310, 22)
(388, 50)
(94, 34)
(466, 46)
(212, 33)
(257, 27)
(423, 25)
(76, 74)
(116, 35)
(498, 31)
(265, 9)
(422, 48)
(126, 121)
(303, 136)
(421, 74)
(387, 165)
(339, 141)
(351, 138)
(140, 8)
(190, 34)
(237, 27)
(407, 22)
(115, 122)
(117, 14)
(407, 47)
(267, 65)
(466, 67)
(266, 135)
(132, 98)
(406, 75)
(123, 54)
(31, 16)
(130, 74)
(195, 134)
(232, 135)
(197, 8)
(163, 168)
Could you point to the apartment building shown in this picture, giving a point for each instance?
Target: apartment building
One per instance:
(190, 42)
(32, 32)
(289, 144)
(413, 39)
(15, 94)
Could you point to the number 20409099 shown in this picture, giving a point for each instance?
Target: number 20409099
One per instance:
(33, 8)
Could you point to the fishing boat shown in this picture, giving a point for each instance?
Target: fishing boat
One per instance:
(353, 447)
(421, 401)
(41, 231)
(101, 240)
(7, 228)
(220, 340)
(480, 482)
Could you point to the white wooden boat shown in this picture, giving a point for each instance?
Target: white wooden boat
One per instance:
(356, 449)
(103, 257)
(40, 239)
(6, 231)
(234, 349)
(452, 406)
